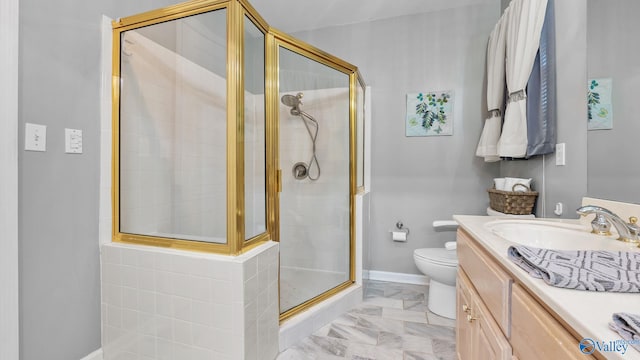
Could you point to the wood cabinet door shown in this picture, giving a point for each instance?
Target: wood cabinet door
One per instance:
(489, 280)
(490, 343)
(464, 338)
(536, 334)
(478, 336)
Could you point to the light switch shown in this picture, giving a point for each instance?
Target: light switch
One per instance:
(73, 141)
(35, 137)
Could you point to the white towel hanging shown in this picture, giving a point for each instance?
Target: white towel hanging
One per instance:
(488, 144)
(524, 26)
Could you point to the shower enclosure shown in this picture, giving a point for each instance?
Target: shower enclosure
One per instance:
(315, 198)
(228, 134)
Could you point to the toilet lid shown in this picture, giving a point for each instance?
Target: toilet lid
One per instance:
(439, 255)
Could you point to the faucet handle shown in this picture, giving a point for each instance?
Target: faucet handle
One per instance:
(633, 226)
(600, 225)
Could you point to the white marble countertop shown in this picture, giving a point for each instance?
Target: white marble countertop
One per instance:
(587, 312)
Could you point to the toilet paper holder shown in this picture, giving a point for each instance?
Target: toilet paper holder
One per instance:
(401, 233)
(400, 226)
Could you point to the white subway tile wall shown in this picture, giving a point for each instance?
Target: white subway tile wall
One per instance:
(170, 304)
(172, 143)
(323, 203)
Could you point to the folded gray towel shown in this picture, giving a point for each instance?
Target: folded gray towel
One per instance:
(581, 269)
(628, 326)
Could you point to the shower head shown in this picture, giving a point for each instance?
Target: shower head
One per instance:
(290, 100)
(294, 102)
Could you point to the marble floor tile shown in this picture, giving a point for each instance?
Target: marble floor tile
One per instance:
(390, 340)
(434, 319)
(413, 355)
(407, 287)
(404, 315)
(415, 305)
(369, 293)
(356, 357)
(407, 295)
(392, 323)
(380, 324)
(347, 319)
(385, 302)
(416, 344)
(429, 331)
(354, 334)
(323, 345)
(295, 354)
(444, 349)
(366, 309)
(373, 352)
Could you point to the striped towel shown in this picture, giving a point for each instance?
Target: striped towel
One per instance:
(628, 326)
(589, 270)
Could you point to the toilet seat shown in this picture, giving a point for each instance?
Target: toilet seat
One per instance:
(438, 256)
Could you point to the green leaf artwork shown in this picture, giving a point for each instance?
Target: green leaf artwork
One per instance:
(429, 113)
(600, 109)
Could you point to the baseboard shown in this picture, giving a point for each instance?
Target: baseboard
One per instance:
(96, 355)
(397, 277)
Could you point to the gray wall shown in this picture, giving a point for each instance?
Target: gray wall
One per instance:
(566, 184)
(416, 180)
(59, 86)
(612, 28)
(419, 179)
(9, 282)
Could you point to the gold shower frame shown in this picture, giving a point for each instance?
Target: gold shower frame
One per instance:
(236, 244)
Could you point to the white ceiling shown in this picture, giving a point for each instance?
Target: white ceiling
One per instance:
(296, 15)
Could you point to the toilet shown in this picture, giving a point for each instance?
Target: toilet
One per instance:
(441, 266)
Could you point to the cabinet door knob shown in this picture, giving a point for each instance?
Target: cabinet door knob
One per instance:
(470, 318)
(466, 308)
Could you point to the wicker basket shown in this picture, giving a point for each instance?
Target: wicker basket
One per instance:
(513, 202)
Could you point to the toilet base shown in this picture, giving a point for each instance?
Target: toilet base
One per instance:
(442, 299)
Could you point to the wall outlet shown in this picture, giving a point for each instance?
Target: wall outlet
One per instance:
(35, 137)
(560, 154)
(559, 210)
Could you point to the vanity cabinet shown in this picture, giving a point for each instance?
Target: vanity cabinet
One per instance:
(492, 284)
(536, 334)
(478, 336)
(497, 318)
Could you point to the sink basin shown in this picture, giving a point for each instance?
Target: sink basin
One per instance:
(554, 235)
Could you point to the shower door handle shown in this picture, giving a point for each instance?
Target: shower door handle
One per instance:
(279, 180)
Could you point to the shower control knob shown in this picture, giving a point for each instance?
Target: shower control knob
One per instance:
(300, 171)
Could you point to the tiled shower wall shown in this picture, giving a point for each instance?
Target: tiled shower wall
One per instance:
(255, 164)
(314, 215)
(173, 142)
(170, 304)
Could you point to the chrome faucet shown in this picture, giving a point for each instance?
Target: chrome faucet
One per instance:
(628, 232)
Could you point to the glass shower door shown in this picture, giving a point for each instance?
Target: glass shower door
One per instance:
(315, 226)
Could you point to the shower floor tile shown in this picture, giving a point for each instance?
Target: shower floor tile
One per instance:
(298, 285)
(392, 323)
